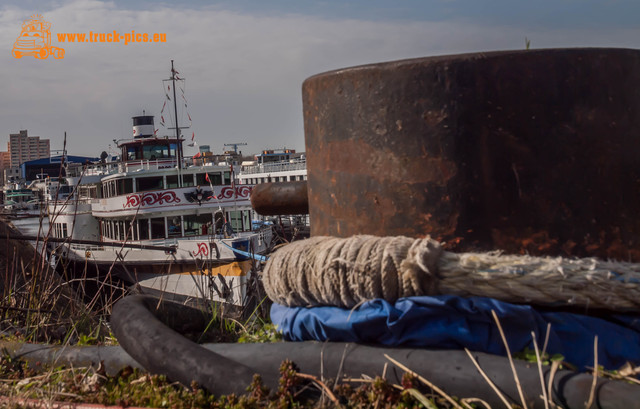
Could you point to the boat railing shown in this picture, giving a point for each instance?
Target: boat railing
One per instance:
(213, 237)
(147, 164)
(87, 247)
(297, 164)
(96, 169)
(68, 201)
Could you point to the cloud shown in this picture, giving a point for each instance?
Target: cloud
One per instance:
(244, 71)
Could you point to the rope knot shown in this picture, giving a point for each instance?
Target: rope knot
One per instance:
(419, 270)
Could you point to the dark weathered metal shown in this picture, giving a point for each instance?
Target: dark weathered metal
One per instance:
(280, 198)
(525, 151)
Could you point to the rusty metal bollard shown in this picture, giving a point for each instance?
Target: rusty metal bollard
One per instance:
(534, 151)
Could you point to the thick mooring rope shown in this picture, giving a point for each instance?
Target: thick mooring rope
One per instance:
(345, 272)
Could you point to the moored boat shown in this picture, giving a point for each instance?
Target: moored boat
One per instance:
(157, 221)
(278, 165)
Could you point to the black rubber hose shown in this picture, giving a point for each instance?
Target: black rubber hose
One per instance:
(225, 368)
(161, 350)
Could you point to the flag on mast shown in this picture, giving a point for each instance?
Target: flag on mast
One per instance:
(213, 192)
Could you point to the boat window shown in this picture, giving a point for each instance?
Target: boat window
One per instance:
(227, 178)
(143, 227)
(110, 188)
(235, 218)
(246, 220)
(215, 177)
(173, 148)
(195, 225)
(218, 221)
(187, 180)
(133, 230)
(60, 230)
(201, 179)
(153, 152)
(174, 225)
(172, 182)
(87, 191)
(157, 228)
(133, 153)
(150, 183)
(124, 186)
(123, 230)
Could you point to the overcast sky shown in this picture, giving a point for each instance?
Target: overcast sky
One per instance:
(245, 60)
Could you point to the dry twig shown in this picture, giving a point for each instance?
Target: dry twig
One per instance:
(486, 378)
(425, 381)
(322, 386)
(539, 361)
(592, 394)
(513, 367)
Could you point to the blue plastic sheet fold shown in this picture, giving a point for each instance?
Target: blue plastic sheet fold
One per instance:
(450, 322)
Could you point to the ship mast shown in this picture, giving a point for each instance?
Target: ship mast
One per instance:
(175, 111)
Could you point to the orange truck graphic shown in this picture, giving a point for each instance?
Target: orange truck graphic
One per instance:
(35, 39)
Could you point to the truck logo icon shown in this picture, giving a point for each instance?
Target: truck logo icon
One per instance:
(35, 39)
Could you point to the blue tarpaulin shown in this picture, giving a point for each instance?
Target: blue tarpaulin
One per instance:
(450, 322)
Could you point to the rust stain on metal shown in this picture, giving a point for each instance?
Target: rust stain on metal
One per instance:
(527, 151)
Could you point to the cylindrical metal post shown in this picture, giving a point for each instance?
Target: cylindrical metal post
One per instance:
(533, 151)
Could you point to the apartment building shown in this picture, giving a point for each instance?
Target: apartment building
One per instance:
(23, 148)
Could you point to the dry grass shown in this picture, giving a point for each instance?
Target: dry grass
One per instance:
(37, 303)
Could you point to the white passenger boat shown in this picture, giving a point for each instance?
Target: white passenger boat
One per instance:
(274, 165)
(278, 165)
(155, 220)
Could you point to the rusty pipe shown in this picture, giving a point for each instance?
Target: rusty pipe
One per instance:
(280, 198)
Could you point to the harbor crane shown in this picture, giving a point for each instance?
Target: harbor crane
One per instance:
(235, 145)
